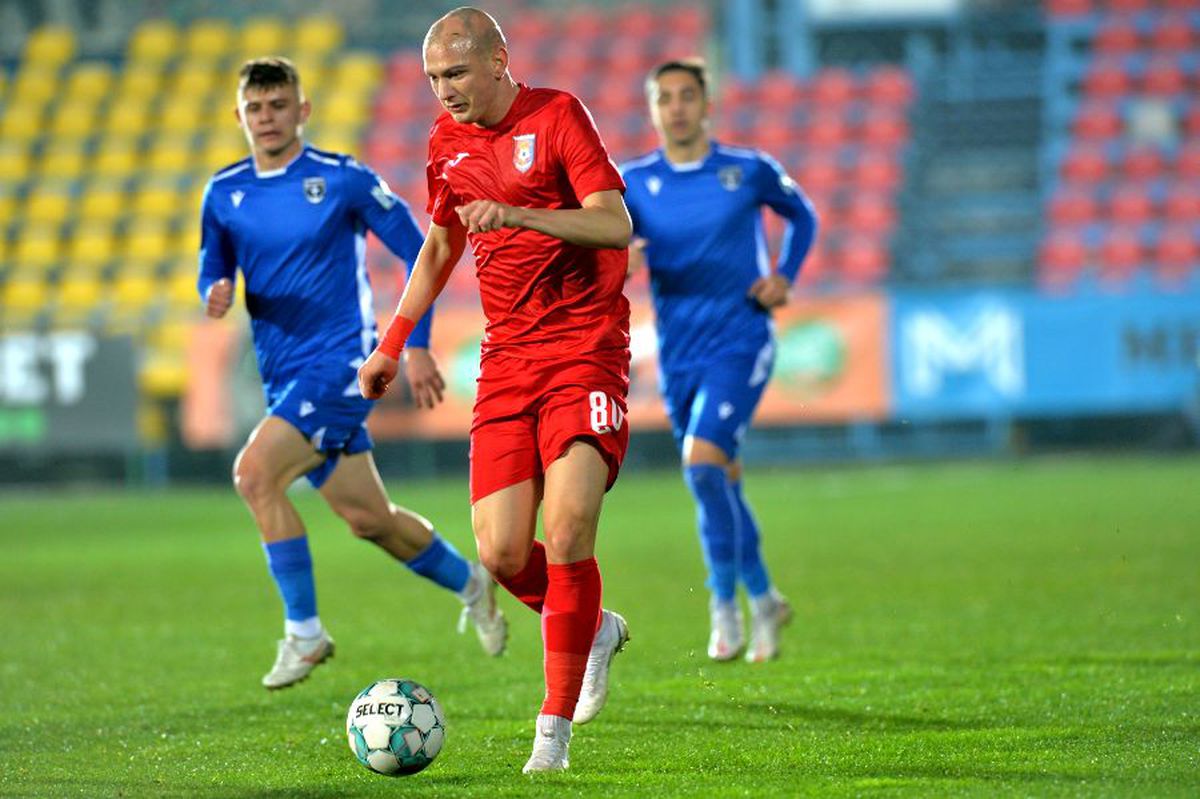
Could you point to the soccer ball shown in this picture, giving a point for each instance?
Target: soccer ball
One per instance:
(395, 727)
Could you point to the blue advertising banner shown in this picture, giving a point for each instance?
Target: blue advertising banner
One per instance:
(1021, 353)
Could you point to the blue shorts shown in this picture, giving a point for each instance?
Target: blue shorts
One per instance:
(716, 402)
(327, 410)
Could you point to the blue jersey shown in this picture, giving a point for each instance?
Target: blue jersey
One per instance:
(702, 223)
(298, 235)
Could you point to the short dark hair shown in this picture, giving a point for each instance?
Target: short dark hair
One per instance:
(267, 73)
(692, 66)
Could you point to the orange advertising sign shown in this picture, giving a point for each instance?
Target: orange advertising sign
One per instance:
(831, 366)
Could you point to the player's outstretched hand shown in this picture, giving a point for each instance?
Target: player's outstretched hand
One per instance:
(220, 297)
(482, 216)
(771, 291)
(424, 377)
(376, 375)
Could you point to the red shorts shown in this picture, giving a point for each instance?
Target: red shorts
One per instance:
(528, 412)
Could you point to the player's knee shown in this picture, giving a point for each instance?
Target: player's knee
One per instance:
(503, 562)
(251, 480)
(364, 523)
(567, 526)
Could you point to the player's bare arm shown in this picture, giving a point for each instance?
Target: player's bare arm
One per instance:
(442, 248)
(424, 377)
(771, 291)
(601, 222)
(219, 298)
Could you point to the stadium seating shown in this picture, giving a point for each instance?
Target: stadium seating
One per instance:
(103, 161)
(1124, 206)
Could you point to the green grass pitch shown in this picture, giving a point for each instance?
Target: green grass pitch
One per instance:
(984, 629)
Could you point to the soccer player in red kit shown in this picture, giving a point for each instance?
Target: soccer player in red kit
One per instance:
(522, 175)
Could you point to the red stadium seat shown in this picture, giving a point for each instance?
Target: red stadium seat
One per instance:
(1191, 121)
(889, 86)
(885, 128)
(1097, 120)
(1085, 165)
(530, 28)
(1163, 76)
(736, 94)
(819, 175)
(876, 171)
(1172, 34)
(826, 130)
(638, 22)
(586, 25)
(689, 19)
(1069, 8)
(1107, 78)
(1187, 162)
(780, 91)
(833, 86)
(872, 214)
(1120, 254)
(1128, 6)
(1062, 256)
(1177, 254)
(1118, 36)
(1142, 163)
(1071, 207)
(864, 260)
(1130, 204)
(1182, 203)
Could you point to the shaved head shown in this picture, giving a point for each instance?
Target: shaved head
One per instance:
(468, 30)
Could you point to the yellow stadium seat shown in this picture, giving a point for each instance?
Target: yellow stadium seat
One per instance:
(209, 39)
(187, 243)
(89, 80)
(79, 292)
(15, 162)
(73, 119)
(25, 292)
(134, 289)
(115, 160)
(48, 203)
(147, 240)
(172, 157)
(222, 150)
(102, 201)
(35, 84)
(344, 110)
(37, 246)
(154, 42)
(263, 36)
(358, 71)
(93, 244)
(318, 35)
(312, 72)
(63, 160)
(180, 114)
(127, 116)
(339, 140)
(156, 201)
(194, 80)
(138, 84)
(21, 122)
(51, 45)
(8, 206)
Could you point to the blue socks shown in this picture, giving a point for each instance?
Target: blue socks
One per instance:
(441, 563)
(290, 564)
(718, 520)
(750, 563)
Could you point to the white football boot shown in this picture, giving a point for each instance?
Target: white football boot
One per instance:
(727, 638)
(479, 607)
(550, 745)
(296, 658)
(610, 639)
(768, 615)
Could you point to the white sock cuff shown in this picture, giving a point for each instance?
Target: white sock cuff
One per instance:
(305, 628)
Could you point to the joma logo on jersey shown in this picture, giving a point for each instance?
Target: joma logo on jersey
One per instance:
(523, 151)
(314, 190)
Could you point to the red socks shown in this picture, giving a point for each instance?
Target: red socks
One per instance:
(529, 585)
(569, 622)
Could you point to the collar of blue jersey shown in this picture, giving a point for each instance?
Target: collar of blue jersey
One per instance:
(689, 166)
(281, 170)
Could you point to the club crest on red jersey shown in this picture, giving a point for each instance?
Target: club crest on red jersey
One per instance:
(523, 151)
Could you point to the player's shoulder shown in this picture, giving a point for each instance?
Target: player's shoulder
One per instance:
(231, 171)
(647, 162)
(749, 156)
(330, 159)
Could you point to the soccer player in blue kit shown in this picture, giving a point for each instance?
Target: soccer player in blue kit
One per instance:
(696, 206)
(294, 220)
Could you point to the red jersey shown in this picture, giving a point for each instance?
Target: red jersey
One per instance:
(543, 297)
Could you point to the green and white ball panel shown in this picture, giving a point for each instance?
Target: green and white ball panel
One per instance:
(395, 727)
